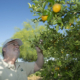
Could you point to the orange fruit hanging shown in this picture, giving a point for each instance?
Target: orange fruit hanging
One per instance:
(67, 27)
(70, 24)
(56, 7)
(57, 68)
(44, 18)
(61, 51)
(66, 68)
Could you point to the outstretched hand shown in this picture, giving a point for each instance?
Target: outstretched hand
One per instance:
(37, 48)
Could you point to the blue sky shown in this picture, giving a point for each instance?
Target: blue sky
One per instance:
(12, 14)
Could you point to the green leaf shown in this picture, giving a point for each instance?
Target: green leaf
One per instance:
(45, 12)
(39, 14)
(39, 9)
(54, 22)
(40, 46)
(31, 11)
(78, 2)
(69, 73)
(59, 20)
(44, 4)
(53, 69)
(59, 63)
(36, 2)
(61, 25)
(49, 16)
(55, 75)
(57, 28)
(29, 5)
(63, 2)
(71, 20)
(34, 14)
(52, 1)
(33, 6)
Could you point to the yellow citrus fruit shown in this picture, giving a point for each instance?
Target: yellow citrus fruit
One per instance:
(66, 68)
(70, 24)
(56, 7)
(76, 47)
(67, 27)
(57, 68)
(44, 18)
(61, 51)
(63, 46)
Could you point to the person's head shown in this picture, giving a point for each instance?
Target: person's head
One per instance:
(11, 48)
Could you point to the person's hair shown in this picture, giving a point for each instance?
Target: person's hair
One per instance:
(3, 51)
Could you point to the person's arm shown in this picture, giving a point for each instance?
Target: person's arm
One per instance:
(40, 60)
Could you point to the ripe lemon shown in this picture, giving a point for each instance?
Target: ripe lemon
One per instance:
(66, 68)
(61, 51)
(67, 27)
(56, 7)
(44, 18)
(76, 47)
(57, 68)
(70, 24)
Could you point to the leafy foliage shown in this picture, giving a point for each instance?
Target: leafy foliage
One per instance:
(27, 35)
(64, 49)
(65, 18)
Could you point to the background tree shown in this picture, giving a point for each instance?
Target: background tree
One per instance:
(0, 49)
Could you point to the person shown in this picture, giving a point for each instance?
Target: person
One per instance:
(10, 69)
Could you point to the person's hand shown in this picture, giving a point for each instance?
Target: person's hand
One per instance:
(37, 48)
(41, 41)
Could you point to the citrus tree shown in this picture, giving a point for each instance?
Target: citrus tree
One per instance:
(65, 49)
(62, 13)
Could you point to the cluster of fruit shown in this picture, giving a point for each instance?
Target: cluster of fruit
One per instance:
(56, 8)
